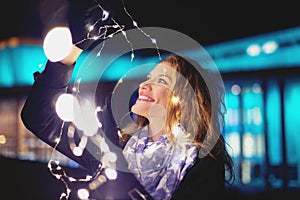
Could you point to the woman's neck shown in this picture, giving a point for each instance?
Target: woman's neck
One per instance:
(156, 128)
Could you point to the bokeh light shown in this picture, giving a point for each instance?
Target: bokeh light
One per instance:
(57, 43)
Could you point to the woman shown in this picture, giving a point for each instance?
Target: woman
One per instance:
(174, 147)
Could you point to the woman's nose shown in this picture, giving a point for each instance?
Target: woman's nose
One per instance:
(146, 85)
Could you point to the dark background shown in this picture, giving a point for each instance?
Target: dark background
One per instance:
(207, 22)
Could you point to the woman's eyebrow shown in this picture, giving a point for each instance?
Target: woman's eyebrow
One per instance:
(159, 75)
(165, 76)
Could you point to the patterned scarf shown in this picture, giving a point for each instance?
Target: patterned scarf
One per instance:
(160, 165)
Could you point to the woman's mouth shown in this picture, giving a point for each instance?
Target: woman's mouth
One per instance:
(145, 98)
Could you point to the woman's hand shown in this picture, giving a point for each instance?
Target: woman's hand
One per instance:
(71, 58)
(58, 46)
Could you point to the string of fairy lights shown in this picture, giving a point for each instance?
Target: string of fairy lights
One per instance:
(108, 158)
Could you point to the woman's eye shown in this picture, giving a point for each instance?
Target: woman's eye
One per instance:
(160, 80)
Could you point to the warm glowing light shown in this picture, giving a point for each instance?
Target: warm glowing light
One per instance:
(57, 176)
(83, 193)
(72, 179)
(111, 173)
(97, 182)
(65, 107)
(175, 99)
(57, 140)
(88, 177)
(105, 15)
(2, 139)
(90, 28)
(57, 43)
(77, 151)
(86, 121)
(112, 157)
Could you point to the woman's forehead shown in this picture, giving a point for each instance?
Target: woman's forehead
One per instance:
(163, 68)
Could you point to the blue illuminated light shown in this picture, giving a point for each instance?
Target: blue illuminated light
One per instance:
(274, 122)
(6, 69)
(18, 63)
(292, 111)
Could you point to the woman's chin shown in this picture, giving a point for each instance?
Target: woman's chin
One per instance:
(139, 110)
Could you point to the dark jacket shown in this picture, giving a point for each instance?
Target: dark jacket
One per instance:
(204, 179)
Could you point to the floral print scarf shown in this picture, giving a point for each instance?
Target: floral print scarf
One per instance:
(160, 165)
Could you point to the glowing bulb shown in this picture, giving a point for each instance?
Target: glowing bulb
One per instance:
(175, 99)
(2, 139)
(253, 50)
(65, 107)
(77, 151)
(90, 28)
(86, 120)
(111, 173)
(72, 179)
(112, 157)
(105, 15)
(57, 43)
(97, 182)
(57, 176)
(57, 140)
(270, 47)
(88, 177)
(153, 41)
(83, 193)
(134, 23)
(236, 89)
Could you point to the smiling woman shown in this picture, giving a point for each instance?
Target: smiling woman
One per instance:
(172, 148)
(171, 136)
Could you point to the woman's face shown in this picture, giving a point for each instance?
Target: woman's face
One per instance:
(155, 91)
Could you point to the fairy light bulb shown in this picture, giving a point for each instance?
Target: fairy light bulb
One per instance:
(112, 157)
(111, 173)
(83, 193)
(105, 15)
(175, 99)
(65, 107)
(77, 151)
(86, 120)
(57, 43)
